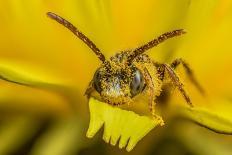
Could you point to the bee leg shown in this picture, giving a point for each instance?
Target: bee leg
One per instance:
(154, 115)
(189, 72)
(176, 81)
(89, 89)
(151, 91)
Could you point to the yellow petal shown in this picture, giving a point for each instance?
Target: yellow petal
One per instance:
(122, 126)
(217, 118)
(38, 93)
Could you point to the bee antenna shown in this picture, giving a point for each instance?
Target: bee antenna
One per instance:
(79, 34)
(154, 43)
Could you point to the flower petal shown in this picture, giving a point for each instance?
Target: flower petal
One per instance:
(122, 126)
(218, 118)
(53, 95)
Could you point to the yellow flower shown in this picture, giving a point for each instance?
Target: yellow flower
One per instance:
(36, 51)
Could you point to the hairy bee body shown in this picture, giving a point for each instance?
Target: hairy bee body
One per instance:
(129, 73)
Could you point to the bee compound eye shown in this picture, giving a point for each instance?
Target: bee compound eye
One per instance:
(97, 81)
(137, 84)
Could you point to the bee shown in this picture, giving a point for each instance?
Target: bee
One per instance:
(131, 72)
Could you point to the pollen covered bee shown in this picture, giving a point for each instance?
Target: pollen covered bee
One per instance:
(129, 73)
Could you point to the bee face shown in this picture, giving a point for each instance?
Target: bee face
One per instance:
(117, 82)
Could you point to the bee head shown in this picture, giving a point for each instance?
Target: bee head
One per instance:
(117, 82)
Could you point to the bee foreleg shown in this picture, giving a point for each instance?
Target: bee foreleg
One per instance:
(176, 81)
(151, 90)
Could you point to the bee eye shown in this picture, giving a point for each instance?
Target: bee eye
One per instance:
(137, 84)
(97, 81)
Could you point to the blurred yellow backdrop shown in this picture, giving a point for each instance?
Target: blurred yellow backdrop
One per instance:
(41, 50)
